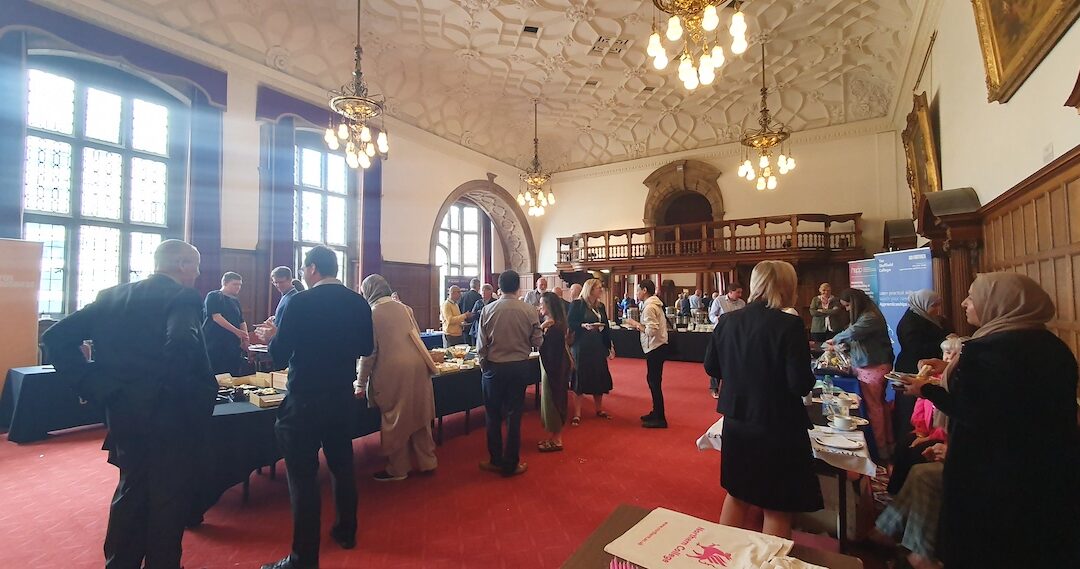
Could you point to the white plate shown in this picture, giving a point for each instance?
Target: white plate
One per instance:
(836, 441)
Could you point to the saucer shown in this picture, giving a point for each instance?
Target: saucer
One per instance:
(837, 441)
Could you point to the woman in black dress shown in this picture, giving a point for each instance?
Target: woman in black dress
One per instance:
(592, 349)
(1012, 475)
(763, 353)
(224, 326)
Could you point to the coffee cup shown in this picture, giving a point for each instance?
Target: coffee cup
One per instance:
(841, 422)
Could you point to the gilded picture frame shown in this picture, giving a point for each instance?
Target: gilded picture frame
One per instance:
(920, 148)
(1015, 37)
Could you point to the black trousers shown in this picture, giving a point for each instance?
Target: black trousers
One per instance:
(504, 397)
(654, 364)
(152, 501)
(302, 428)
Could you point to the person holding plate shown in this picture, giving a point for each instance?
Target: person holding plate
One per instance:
(1012, 478)
(592, 349)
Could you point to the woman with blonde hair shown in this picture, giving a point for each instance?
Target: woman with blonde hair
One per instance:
(762, 354)
(592, 348)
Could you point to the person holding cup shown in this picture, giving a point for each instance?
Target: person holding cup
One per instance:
(1012, 478)
(592, 349)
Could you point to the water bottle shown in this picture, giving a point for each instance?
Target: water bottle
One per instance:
(827, 397)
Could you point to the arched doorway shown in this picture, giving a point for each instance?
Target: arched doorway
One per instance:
(673, 180)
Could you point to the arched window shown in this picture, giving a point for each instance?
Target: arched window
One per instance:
(103, 177)
(459, 253)
(324, 201)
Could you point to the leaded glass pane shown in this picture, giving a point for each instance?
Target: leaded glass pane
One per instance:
(444, 238)
(149, 191)
(472, 219)
(335, 220)
(150, 127)
(99, 262)
(341, 269)
(446, 221)
(54, 241)
(455, 248)
(102, 178)
(296, 166)
(471, 249)
(311, 168)
(300, 262)
(455, 217)
(50, 102)
(311, 228)
(471, 271)
(141, 259)
(297, 216)
(336, 174)
(103, 116)
(47, 186)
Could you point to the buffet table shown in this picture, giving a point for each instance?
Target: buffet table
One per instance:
(684, 346)
(37, 400)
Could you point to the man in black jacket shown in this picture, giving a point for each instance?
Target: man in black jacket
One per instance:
(151, 374)
(321, 336)
(468, 300)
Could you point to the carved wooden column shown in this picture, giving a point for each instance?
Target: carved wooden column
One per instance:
(951, 220)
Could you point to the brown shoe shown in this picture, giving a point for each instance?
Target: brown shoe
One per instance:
(521, 468)
(490, 466)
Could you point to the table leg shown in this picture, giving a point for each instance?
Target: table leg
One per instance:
(467, 421)
(273, 471)
(440, 432)
(537, 395)
(841, 515)
(247, 487)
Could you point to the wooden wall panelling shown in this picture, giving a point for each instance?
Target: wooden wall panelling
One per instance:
(1034, 229)
(416, 284)
(243, 262)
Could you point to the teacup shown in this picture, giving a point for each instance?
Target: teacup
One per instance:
(841, 422)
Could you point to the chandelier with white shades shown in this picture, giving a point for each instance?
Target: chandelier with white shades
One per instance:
(354, 112)
(534, 178)
(700, 53)
(769, 135)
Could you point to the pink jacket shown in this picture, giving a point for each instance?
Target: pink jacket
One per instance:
(922, 418)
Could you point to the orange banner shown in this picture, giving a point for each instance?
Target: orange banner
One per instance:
(20, 277)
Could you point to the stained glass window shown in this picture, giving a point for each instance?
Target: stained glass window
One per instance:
(323, 211)
(96, 179)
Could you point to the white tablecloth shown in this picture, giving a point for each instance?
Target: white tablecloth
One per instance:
(852, 460)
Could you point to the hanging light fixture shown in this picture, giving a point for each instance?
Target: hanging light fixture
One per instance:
(693, 21)
(354, 112)
(533, 196)
(770, 135)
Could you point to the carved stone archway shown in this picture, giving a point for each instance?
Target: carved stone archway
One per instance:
(510, 223)
(679, 177)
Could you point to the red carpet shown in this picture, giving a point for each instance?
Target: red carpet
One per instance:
(54, 495)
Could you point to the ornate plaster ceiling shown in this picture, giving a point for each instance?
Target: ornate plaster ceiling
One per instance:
(467, 70)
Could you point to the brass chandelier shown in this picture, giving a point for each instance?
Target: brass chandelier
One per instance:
(354, 111)
(535, 178)
(694, 20)
(769, 135)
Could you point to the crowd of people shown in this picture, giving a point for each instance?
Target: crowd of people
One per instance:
(971, 470)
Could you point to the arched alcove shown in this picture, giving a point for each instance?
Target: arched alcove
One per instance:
(671, 181)
(507, 217)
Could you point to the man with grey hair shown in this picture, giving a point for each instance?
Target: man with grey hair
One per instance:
(487, 296)
(453, 319)
(533, 296)
(151, 375)
(468, 299)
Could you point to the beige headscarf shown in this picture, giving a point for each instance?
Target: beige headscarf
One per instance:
(1009, 301)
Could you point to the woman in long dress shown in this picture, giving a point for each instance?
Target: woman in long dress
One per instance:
(1012, 476)
(762, 354)
(396, 378)
(555, 368)
(592, 349)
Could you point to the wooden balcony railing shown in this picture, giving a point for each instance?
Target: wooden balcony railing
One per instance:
(799, 232)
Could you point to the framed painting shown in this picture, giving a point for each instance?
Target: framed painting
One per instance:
(1015, 36)
(920, 148)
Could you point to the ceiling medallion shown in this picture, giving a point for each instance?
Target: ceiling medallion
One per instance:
(354, 112)
(692, 21)
(770, 134)
(535, 178)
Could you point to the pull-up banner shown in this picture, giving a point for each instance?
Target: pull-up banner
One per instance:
(863, 276)
(900, 273)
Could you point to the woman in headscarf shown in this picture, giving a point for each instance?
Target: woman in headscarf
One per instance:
(396, 378)
(871, 358)
(1012, 476)
(921, 331)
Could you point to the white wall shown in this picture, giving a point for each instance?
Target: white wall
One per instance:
(839, 170)
(991, 146)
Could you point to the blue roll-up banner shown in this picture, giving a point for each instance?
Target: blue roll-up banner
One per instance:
(863, 276)
(900, 273)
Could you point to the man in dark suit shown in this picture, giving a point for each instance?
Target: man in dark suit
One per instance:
(151, 374)
(468, 300)
(321, 336)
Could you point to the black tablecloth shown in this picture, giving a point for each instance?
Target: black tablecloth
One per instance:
(37, 400)
(684, 346)
(432, 340)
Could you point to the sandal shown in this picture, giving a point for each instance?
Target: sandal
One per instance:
(575, 421)
(549, 446)
(603, 415)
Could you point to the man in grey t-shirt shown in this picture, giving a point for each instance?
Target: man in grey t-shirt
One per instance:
(508, 330)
